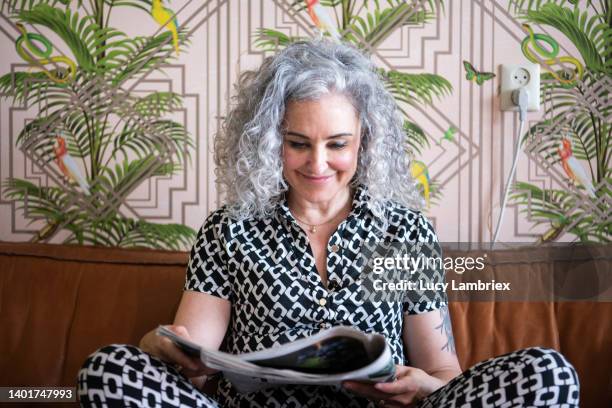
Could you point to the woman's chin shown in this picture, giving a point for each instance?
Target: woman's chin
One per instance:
(317, 194)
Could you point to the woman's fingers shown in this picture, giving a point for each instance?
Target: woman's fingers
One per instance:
(405, 383)
(189, 373)
(192, 366)
(180, 330)
(172, 354)
(399, 393)
(163, 348)
(365, 390)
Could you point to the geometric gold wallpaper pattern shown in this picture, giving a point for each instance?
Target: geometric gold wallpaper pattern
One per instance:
(471, 169)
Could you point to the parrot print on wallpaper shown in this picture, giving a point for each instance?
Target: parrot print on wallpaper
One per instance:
(94, 140)
(572, 141)
(166, 18)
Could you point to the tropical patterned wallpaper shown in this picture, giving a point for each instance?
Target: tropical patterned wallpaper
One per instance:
(108, 110)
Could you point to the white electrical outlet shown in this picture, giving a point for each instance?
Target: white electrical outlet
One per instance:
(515, 76)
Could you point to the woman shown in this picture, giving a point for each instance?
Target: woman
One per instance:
(313, 163)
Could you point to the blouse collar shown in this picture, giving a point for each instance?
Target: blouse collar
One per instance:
(360, 205)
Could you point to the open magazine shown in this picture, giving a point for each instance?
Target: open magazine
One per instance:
(326, 358)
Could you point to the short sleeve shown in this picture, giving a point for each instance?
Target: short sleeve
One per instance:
(207, 270)
(429, 294)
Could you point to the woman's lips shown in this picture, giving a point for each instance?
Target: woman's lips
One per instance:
(316, 179)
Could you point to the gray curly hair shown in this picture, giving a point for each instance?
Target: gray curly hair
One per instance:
(248, 147)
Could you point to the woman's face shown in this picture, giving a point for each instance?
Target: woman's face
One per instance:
(320, 147)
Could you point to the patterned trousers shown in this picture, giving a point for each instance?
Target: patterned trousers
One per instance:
(123, 375)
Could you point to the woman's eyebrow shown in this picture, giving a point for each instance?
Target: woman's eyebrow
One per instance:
(292, 133)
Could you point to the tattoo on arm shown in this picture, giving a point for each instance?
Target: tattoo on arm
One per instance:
(446, 327)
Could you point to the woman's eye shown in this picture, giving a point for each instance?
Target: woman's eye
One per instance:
(297, 145)
(338, 145)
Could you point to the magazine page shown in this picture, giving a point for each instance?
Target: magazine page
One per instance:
(326, 358)
(337, 346)
(248, 380)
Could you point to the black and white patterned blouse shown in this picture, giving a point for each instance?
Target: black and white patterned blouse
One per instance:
(266, 268)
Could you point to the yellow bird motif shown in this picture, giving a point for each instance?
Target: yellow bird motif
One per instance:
(421, 175)
(166, 18)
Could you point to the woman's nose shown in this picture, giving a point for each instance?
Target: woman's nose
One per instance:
(318, 161)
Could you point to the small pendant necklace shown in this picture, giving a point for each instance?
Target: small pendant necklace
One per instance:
(313, 227)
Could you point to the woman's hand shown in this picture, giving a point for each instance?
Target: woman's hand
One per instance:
(412, 384)
(163, 348)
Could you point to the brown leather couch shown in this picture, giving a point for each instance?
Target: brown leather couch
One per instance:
(59, 303)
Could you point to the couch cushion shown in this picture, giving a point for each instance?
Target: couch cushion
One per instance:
(486, 329)
(63, 302)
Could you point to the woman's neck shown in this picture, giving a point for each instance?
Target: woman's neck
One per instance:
(315, 213)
